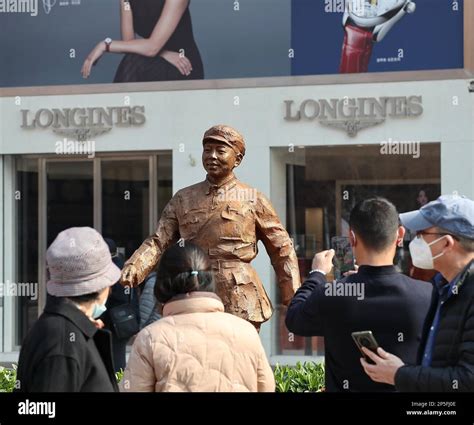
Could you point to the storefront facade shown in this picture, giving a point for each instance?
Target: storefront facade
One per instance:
(314, 150)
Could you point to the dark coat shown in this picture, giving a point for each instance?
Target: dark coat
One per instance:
(119, 295)
(393, 307)
(65, 352)
(452, 366)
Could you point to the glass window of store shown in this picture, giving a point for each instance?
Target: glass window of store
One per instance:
(323, 183)
(120, 195)
(26, 197)
(125, 203)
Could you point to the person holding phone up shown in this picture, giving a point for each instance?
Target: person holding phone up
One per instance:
(376, 298)
(445, 242)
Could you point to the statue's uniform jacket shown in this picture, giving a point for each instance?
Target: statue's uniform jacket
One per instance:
(227, 222)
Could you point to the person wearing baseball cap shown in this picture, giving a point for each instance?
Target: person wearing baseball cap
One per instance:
(445, 242)
(226, 218)
(65, 351)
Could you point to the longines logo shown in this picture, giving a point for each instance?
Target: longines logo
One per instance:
(83, 123)
(353, 115)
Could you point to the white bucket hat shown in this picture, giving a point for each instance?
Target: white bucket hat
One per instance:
(79, 263)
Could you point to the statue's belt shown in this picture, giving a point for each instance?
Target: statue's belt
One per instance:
(219, 264)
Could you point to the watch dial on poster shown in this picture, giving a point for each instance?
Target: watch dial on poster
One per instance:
(374, 8)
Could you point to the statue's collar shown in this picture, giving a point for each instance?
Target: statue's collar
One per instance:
(227, 184)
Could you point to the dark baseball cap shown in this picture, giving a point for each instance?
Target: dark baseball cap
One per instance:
(452, 213)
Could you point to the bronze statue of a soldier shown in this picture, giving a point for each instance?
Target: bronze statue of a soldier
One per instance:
(226, 218)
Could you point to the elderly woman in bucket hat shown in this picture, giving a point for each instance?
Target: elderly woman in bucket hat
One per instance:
(65, 351)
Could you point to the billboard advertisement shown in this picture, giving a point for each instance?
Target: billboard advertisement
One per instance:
(64, 42)
(376, 36)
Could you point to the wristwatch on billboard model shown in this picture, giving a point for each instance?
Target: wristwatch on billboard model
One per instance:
(108, 42)
(366, 22)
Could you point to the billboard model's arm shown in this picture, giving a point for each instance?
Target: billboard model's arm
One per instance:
(126, 21)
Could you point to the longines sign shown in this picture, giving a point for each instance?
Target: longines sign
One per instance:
(353, 115)
(83, 123)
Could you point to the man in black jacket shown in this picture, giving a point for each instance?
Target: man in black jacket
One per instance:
(377, 298)
(64, 350)
(444, 242)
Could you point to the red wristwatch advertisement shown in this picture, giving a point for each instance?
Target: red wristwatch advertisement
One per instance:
(359, 36)
(366, 22)
(357, 49)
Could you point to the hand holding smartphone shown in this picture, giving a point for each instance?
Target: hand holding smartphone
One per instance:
(365, 339)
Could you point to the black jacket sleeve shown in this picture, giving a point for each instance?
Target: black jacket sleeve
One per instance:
(56, 374)
(304, 316)
(457, 378)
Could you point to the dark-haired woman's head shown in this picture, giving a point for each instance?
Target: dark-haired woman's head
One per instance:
(422, 198)
(183, 268)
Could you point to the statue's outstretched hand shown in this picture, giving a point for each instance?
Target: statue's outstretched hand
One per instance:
(129, 276)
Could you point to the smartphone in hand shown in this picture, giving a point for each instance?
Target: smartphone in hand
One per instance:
(365, 339)
(343, 258)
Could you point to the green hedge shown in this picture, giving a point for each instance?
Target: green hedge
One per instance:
(119, 375)
(306, 377)
(7, 379)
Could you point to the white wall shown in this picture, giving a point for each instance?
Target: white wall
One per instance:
(175, 117)
(182, 116)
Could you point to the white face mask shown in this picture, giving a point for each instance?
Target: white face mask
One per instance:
(421, 253)
(99, 310)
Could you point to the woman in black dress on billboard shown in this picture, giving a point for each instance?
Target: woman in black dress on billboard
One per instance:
(166, 51)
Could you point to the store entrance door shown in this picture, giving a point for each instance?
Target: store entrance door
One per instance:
(120, 195)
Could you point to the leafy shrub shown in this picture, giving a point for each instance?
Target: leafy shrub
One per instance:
(119, 375)
(7, 379)
(306, 377)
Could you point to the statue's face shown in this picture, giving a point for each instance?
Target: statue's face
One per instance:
(219, 159)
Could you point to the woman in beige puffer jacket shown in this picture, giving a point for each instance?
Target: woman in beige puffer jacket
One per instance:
(196, 346)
